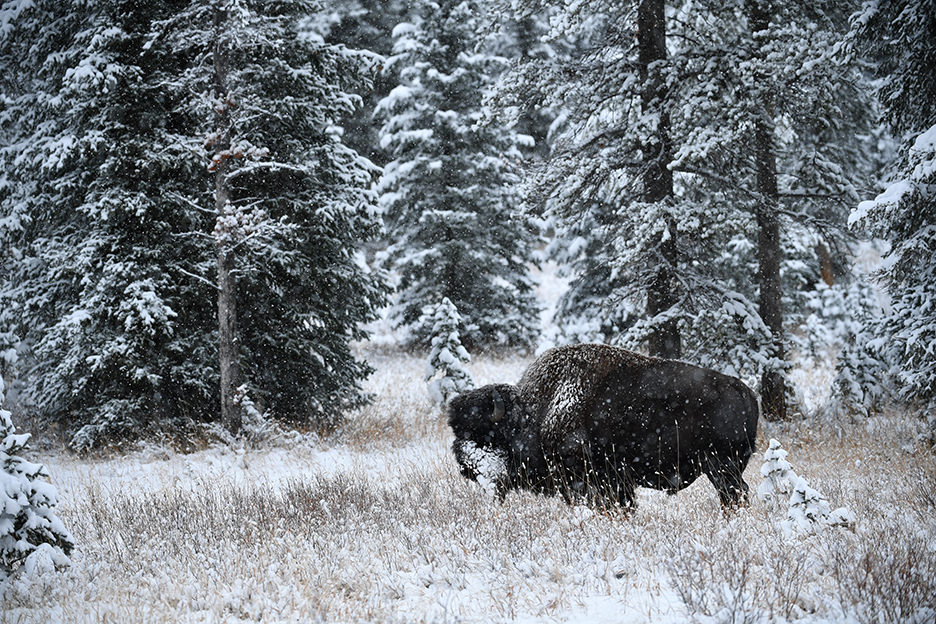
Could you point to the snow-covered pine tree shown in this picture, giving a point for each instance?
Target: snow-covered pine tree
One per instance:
(616, 223)
(777, 473)
(445, 368)
(27, 503)
(898, 36)
(777, 126)
(365, 25)
(758, 116)
(448, 196)
(112, 218)
(841, 318)
(809, 510)
(290, 202)
(610, 145)
(97, 184)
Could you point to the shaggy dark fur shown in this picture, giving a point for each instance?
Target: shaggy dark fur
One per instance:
(597, 421)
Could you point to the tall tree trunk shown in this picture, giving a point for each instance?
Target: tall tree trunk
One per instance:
(769, 254)
(231, 415)
(657, 177)
(229, 359)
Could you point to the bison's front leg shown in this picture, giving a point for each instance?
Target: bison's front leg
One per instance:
(611, 485)
(584, 473)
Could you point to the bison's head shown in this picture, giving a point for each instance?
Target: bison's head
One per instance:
(491, 439)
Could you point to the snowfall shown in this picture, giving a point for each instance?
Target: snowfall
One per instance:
(374, 523)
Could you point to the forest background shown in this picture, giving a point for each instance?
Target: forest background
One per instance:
(203, 204)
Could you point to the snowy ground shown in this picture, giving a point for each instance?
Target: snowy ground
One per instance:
(375, 524)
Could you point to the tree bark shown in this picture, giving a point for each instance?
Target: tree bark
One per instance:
(229, 358)
(231, 414)
(657, 177)
(769, 253)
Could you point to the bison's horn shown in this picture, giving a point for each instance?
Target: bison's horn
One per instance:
(499, 408)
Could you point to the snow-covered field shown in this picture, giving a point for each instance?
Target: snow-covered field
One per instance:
(375, 524)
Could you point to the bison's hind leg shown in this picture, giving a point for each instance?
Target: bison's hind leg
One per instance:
(727, 479)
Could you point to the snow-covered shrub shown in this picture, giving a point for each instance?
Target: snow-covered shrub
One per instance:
(808, 509)
(777, 472)
(888, 575)
(714, 576)
(445, 368)
(30, 531)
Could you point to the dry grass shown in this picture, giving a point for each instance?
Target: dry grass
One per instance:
(407, 539)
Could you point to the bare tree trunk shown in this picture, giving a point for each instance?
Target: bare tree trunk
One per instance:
(229, 359)
(657, 177)
(769, 254)
(231, 416)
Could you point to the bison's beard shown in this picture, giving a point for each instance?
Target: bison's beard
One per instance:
(485, 465)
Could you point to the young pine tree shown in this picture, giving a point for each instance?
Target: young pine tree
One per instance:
(445, 368)
(27, 504)
(448, 196)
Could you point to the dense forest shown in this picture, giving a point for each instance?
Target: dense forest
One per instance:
(204, 204)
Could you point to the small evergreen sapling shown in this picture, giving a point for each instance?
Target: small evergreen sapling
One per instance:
(808, 510)
(28, 523)
(777, 472)
(445, 369)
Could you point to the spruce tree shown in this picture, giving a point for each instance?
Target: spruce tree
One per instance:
(290, 203)
(898, 36)
(782, 142)
(520, 40)
(756, 122)
(448, 196)
(121, 141)
(861, 384)
(643, 250)
(98, 183)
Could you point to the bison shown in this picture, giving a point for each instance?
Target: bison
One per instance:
(597, 421)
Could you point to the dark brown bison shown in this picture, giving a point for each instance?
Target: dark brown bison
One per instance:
(596, 421)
